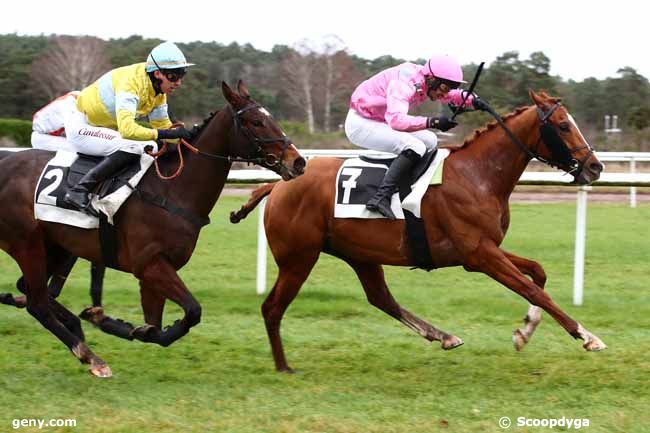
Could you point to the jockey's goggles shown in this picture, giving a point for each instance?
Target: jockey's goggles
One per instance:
(442, 84)
(174, 75)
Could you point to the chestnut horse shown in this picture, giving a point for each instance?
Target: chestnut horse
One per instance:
(157, 228)
(466, 219)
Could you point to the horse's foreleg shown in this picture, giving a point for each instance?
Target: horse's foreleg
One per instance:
(160, 278)
(521, 336)
(492, 261)
(291, 275)
(374, 284)
(152, 305)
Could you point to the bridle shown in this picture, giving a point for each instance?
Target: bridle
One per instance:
(561, 155)
(257, 156)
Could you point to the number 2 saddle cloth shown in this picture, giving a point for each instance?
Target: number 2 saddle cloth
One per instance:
(64, 170)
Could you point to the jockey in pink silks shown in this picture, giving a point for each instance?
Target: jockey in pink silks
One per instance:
(378, 118)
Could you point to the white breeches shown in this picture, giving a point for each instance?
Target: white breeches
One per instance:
(375, 135)
(80, 136)
(100, 141)
(50, 142)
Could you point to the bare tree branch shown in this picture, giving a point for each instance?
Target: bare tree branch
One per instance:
(70, 63)
(298, 69)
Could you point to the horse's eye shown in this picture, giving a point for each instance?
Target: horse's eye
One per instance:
(564, 127)
(258, 123)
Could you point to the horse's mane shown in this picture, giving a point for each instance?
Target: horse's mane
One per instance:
(490, 126)
(196, 132)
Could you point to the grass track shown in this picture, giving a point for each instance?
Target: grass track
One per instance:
(359, 370)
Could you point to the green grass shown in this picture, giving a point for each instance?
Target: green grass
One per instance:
(359, 370)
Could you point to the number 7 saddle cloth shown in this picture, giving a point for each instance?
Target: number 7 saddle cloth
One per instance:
(358, 180)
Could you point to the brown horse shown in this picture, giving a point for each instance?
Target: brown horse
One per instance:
(157, 228)
(466, 219)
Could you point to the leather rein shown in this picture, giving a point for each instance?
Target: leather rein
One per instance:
(258, 156)
(561, 155)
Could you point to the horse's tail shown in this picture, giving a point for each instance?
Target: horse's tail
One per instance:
(256, 197)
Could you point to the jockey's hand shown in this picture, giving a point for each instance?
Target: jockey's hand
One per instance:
(480, 104)
(442, 123)
(170, 134)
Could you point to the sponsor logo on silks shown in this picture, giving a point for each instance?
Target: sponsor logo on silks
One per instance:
(98, 134)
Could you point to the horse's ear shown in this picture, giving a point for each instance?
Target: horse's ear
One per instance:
(229, 94)
(243, 90)
(537, 99)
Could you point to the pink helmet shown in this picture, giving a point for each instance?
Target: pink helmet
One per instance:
(444, 67)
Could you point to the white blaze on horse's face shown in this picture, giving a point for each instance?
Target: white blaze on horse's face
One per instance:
(575, 125)
(267, 114)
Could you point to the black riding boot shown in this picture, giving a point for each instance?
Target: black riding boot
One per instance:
(380, 202)
(79, 195)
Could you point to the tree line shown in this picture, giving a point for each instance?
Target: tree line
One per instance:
(309, 83)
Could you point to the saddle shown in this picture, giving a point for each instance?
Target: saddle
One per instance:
(84, 163)
(417, 171)
(415, 230)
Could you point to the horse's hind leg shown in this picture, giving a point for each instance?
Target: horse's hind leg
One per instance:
(59, 264)
(15, 301)
(520, 337)
(374, 284)
(97, 272)
(58, 270)
(95, 313)
(30, 256)
(292, 274)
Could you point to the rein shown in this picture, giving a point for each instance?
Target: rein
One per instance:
(265, 160)
(553, 141)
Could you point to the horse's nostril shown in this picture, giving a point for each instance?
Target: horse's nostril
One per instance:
(596, 167)
(299, 165)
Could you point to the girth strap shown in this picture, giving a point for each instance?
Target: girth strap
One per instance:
(164, 203)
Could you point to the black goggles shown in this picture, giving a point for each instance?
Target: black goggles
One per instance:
(174, 75)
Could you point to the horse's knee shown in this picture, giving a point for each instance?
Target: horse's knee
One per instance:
(539, 275)
(193, 315)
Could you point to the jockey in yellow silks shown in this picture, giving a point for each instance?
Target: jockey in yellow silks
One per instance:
(104, 122)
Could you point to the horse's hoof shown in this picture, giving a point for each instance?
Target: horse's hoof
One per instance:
(451, 342)
(519, 340)
(102, 370)
(594, 344)
(93, 315)
(234, 217)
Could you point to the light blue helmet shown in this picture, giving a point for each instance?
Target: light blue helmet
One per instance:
(166, 56)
